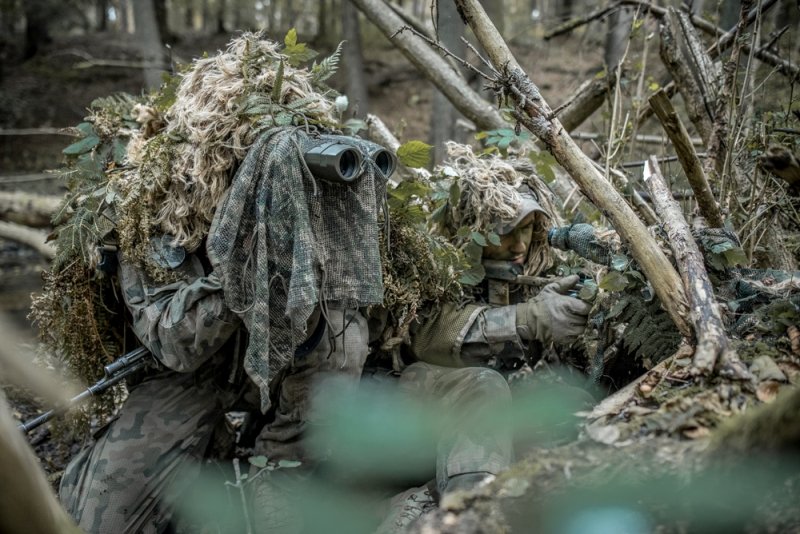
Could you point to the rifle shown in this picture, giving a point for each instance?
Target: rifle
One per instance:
(115, 372)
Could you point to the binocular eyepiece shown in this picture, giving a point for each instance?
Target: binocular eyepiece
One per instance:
(339, 162)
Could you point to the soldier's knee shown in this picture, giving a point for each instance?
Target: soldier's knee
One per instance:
(485, 383)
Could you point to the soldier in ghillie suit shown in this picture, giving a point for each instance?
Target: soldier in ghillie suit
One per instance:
(244, 289)
(455, 348)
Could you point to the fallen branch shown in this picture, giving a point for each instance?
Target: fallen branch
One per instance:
(535, 114)
(640, 138)
(677, 133)
(712, 342)
(37, 131)
(36, 239)
(27, 208)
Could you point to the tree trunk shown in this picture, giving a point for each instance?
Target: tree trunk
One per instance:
(619, 27)
(101, 10)
(36, 239)
(354, 62)
(435, 68)
(220, 28)
(149, 41)
(443, 114)
(38, 14)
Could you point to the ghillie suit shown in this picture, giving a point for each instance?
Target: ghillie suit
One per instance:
(158, 165)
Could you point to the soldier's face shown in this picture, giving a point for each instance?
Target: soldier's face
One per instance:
(513, 246)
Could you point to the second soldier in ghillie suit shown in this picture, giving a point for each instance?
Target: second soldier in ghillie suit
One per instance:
(245, 288)
(455, 348)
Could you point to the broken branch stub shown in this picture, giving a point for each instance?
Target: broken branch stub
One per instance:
(533, 112)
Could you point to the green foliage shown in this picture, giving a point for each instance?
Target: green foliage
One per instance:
(544, 163)
(501, 139)
(326, 68)
(297, 53)
(414, 154)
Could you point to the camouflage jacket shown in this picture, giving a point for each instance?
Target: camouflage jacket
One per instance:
(183, 323)
(473, 335)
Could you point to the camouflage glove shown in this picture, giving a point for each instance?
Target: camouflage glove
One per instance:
(552, 315)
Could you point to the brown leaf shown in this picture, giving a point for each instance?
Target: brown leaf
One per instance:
(768, 390)
(697, 432)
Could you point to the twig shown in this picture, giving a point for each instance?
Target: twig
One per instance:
(582, 21)
(646, 139)
(242, 494)
(466, 64)
(663, 159)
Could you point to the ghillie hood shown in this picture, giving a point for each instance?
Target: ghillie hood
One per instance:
(487, 188)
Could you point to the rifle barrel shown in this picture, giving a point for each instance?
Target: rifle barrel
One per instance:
(128, 364)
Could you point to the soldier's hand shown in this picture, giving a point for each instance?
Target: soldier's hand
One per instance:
(552, 315)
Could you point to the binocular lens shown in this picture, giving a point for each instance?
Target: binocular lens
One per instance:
(335, 162)
(385, 161)
(348, 164)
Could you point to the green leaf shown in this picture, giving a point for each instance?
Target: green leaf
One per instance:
(276, 87)
(588, 290)
(353, 126)
(614, 281)
(473, 276)
(478, 238)
(299, 54)
(494, 239)
(619, 262)
(83, 146)
(473, 251)
(258, 461)
(287, 464)
(719, 248)
(455, 194)
(735, 256)
(120, 147)
(414, 154)
(291, 37)
(86, 128)
(463, 232)
(544, 162)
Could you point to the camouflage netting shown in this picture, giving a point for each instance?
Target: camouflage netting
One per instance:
(488, 197)
(284, 242)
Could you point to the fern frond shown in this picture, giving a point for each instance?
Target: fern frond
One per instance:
(327, 67)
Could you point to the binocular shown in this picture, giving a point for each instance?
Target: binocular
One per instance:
(339, 159)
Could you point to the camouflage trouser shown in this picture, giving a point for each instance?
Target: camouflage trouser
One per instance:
(130, 478)
(467, 395)
(340, 355)
(141, 463)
